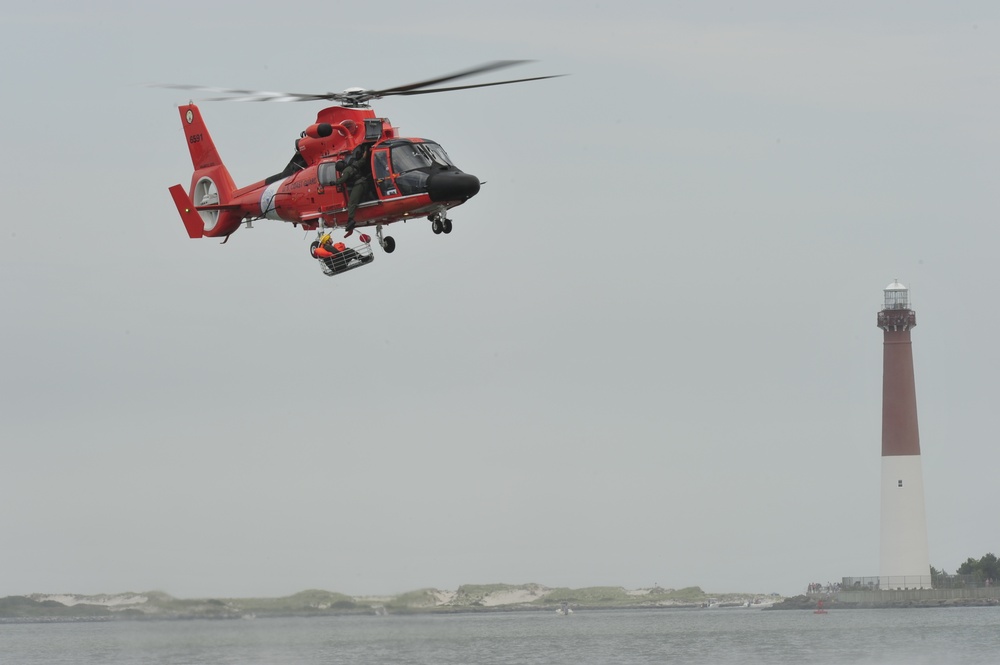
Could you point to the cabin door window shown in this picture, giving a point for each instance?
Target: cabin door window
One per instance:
(383, 174)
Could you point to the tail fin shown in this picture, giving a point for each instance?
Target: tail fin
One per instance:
(211, 184)
(203, 152)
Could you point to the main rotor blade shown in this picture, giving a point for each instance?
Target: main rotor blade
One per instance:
(487, 67)
(357, 96)
(237, 95)
(461, 87)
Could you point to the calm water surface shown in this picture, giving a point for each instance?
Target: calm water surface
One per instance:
(954, 635)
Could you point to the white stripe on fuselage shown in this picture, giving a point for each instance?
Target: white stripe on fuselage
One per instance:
(267, 199)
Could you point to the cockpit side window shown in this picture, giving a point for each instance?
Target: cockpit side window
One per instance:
(437, 154)
(406, 158)
(413, 156)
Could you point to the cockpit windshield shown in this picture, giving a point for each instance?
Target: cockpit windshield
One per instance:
(414, 156)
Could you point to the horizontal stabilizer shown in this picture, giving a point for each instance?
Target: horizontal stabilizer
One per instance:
(192, 220)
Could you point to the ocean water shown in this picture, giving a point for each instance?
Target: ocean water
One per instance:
(913, 636)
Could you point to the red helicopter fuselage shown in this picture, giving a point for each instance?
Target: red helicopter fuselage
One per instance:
(412, 178)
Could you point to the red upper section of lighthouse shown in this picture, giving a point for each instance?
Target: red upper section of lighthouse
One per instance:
(900, 435)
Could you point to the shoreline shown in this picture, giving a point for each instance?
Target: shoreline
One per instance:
(833, 606)
(467, 599)
(916, 599)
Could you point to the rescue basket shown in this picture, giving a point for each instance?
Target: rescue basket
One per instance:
(347, 260)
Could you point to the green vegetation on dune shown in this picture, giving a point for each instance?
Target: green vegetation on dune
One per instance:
(589, 595)
(422, 598)
(606, 596)
(691, 594)
(16, 607)
(305, 602)
(480, 590)
(475, 594)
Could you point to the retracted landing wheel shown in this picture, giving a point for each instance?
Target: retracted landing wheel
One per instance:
(446, 227)
(437, 227)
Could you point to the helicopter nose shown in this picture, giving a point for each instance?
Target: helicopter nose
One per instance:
(452, 186)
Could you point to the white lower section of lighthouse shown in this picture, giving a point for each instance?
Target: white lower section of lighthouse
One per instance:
(903, 558)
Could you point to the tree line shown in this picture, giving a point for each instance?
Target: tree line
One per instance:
(986, 569)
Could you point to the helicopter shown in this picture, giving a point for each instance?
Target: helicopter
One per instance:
(411, 178)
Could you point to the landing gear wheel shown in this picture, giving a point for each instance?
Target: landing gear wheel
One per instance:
(312, 248)
(447, 226)
(437, 227)
(388, 244)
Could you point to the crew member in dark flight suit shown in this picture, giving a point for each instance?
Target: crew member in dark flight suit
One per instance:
(358, 177)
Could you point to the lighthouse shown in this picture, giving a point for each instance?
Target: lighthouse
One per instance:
(903, 558)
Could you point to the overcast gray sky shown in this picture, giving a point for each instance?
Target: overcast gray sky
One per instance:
(646, 354)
